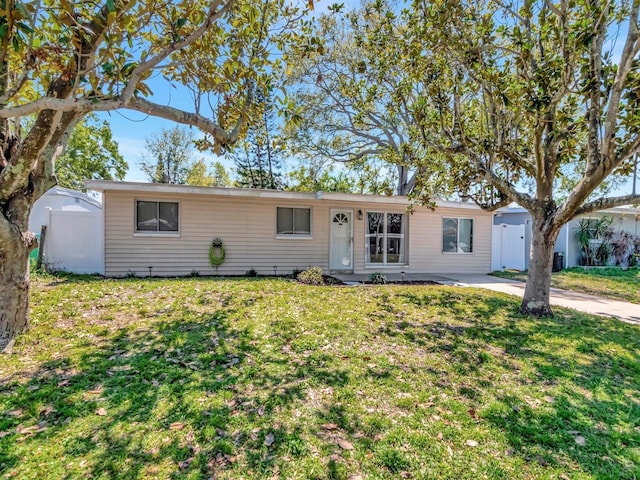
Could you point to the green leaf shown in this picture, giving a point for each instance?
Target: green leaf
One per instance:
(111, 6)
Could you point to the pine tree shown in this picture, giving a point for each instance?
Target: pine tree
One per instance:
(258, 157)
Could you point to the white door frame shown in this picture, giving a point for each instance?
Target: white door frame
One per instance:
(333, 211)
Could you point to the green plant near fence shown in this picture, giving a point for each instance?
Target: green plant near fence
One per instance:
(594, 248)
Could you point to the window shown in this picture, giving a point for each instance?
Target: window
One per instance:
(385, 236)
(457, 235)
(156, 216)
(294, 222)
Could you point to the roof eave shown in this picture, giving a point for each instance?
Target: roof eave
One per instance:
(107, 185)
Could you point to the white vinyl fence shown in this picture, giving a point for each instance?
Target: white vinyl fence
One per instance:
(74, 242)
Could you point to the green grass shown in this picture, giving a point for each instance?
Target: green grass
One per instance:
(199, 378)
(607, 282)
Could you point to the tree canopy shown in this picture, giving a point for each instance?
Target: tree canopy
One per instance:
(169, 156)
(533, 102)
(61, 60)
(91, 153)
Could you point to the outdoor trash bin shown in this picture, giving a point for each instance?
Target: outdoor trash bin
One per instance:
(558, 261)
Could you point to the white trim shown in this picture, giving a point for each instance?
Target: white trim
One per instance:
(386, 266)
(293, 237)
(163, 234)
(566, 245)
(155, 188)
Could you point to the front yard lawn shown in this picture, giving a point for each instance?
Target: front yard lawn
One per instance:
(607, 282)
(269, 379)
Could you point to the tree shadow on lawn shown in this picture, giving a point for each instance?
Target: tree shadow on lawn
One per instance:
(157, 401)
(592, 419)
(195, 395)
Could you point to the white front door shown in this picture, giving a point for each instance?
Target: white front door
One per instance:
(341, 251)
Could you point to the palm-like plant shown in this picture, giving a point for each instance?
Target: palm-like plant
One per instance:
(590, 234)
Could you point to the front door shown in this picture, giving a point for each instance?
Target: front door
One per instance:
(341, 248)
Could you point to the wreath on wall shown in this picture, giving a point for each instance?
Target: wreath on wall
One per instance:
(216, 253)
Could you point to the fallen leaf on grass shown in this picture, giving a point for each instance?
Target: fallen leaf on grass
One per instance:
(185, 463)
(101, 412)
(471, 443)
(329, 426)
(405, 474)
(580, 440)
(472, 413)
(40, 427)
(13, 413)
(176, 426)
(548, 399)
(541, 461)
(269, 439)
(344, 444)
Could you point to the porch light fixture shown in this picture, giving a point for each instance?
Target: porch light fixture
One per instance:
(360, 215)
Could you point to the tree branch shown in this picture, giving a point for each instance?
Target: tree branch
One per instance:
(136, 75)
(493, 206)
(135, 103)
(502, 185)
(629, 52)
(604, 203)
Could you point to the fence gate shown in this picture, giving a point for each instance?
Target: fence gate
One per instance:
(508, 249)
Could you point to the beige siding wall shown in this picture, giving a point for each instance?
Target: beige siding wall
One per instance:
(247, 228)
(425, 241)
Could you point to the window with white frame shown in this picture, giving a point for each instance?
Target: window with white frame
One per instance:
(457, 235)
(294, 222)
(385, 238)
(156, 216)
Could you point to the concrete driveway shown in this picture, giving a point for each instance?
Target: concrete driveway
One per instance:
(625, 311)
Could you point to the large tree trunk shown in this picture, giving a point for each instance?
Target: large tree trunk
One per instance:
(14, 286)
(536, 294)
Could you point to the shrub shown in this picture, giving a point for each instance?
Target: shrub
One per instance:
(378, 278)
(251, 272)
(311, 276)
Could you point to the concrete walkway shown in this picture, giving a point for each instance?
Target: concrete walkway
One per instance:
(625, 311)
